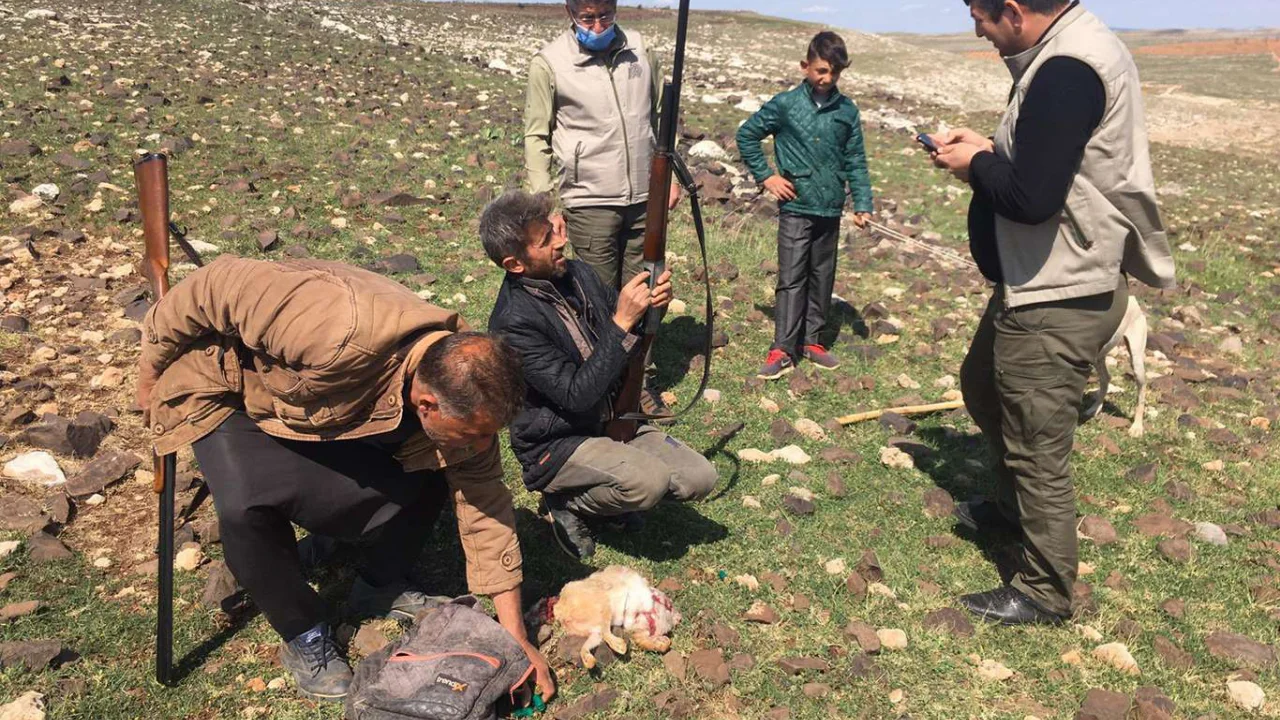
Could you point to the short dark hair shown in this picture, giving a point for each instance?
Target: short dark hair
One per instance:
(472, 372)
(576, 5)
(829, 46)
(995, 8)
(504, 224)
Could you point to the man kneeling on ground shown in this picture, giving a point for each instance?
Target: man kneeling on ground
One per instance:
(576, 336)
(329, 397)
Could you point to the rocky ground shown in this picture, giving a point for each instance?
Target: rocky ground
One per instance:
(818, 580)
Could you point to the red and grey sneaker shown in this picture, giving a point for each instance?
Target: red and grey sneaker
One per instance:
(777, 364)
(819, 356)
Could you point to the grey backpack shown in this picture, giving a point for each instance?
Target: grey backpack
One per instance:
(455, 663)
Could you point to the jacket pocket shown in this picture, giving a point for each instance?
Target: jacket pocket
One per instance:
(1072, 228)
(435, 685)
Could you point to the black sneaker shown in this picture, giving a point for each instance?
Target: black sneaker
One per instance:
(568, 528)
(317, 664)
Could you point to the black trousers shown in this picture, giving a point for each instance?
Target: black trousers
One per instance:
(262, 485)
(806, 275)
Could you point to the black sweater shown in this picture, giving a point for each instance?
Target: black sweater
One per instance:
(1063, 107)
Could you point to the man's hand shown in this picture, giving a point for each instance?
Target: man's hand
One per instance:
(546, 684)
(633, 302)
(963, 136)
(780, 188)
(557, 224)
(860, 219)
(956, 158)
(673, 198)
(507, 605)
(661, 294)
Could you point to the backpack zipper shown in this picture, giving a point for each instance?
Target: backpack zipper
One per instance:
(411, 657)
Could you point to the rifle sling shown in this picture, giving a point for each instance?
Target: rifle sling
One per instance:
(686, 180)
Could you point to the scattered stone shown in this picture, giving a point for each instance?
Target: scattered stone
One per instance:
(951, 621)
(47, 548)
(892, 639)
(1118, 656)
(864, 635)
(1159, 525)
(37, 468)
(1174, 607)
(792, 454)
(14, 611)
(869, 567)
(797, 665)
(60, 508)
(34, 655)
(30, 704)
(761, 613)
(221, 588)
(1150, 703)
(938, 503)
(710, 667)
(856, 585)
(8, 547)
(895, 458)
(994, 671)
(1097, 529)
(104, 469)
(80, 437)
(752, 455)
(189, 558)
(1102, 704)
(798, 505)
(1176, 549)
(1240, 649)
(1145, 474)
(898, 424)
(1210, 533)
(835, 566)
(810, 429)
(675, 665)
(813, 691)
(20, 513)
(1246, 694)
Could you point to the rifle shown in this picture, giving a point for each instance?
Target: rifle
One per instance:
(666, 162)
(151, 173)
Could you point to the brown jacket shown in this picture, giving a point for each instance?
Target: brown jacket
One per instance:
(315, 351)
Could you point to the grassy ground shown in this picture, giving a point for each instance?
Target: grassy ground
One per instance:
(311, 118)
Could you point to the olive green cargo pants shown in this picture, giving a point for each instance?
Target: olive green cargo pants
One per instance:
(1023, 382)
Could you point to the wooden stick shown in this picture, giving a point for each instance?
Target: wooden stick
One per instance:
(908, 410)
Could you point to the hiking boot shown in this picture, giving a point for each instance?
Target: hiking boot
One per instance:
(568, 528)
(820, 357)
(395, 601)
(317, 664)
(776, 364)
(628, 522)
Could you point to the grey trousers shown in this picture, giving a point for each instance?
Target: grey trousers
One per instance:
(606, 477)
(1023, 382)
(609, 239)
(806, 275)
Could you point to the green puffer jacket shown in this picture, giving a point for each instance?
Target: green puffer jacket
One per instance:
(819, 149)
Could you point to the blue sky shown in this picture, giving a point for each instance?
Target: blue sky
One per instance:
(940, 16)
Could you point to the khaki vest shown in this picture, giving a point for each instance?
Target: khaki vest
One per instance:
(1111, 222)
(602, 134)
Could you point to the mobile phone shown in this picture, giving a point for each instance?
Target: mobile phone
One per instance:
(927, 142)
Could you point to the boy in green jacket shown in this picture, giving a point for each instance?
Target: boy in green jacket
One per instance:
(818, 142)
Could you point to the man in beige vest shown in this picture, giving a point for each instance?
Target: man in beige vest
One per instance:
(592, 105)
(1064, 211)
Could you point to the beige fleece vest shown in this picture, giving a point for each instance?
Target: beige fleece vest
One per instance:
(602, 135)
(1111, 223)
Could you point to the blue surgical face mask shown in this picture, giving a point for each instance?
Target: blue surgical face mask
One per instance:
(593, 41)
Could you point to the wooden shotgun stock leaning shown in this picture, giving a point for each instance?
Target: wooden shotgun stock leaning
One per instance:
(151, 172)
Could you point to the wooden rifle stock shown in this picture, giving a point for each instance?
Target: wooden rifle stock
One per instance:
(151, 172)
(623, 428)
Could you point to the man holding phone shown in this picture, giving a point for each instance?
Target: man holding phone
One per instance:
(1064, 210)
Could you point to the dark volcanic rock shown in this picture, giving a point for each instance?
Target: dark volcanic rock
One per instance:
(80, 437)
(1104, 705)
(21, 513)
(1240, 649)
(950, 620)
(35, 655)
(107, 467)
(47, 548)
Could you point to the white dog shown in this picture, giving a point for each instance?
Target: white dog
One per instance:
(616, 597)
(1133, 329)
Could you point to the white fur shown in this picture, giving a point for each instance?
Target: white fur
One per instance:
(615, 597)
(1133, 330)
